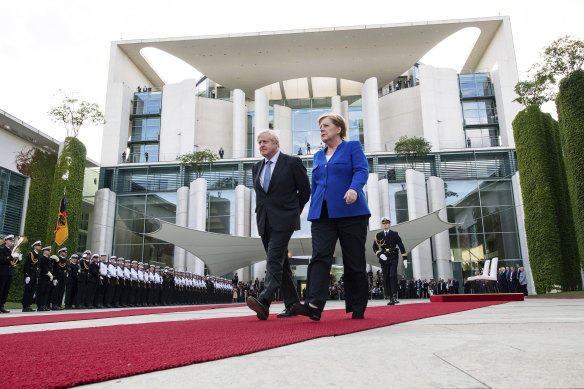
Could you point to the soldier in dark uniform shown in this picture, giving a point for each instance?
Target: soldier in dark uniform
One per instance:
(112, 282)
(59, 274)
(82, 279)
(8, 261)
(92, 280)
(45, 278)
(30, 273)
(386, 250)
(71, 282)
(165, 285)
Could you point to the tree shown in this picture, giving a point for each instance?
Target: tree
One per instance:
(73, 114)
(197, 160)
(412, 148)
(562, 57)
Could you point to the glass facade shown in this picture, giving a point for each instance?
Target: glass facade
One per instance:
(145, 127)
(479, 110)
(12, 186)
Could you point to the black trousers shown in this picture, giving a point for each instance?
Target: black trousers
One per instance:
(71, 292)
(90, 292)
(81, 288)
(352, 235)
(389, 270)
(29, 290)
(5, 282)
(58, 290)
(278, 272)
(110, 291)
(43, 291)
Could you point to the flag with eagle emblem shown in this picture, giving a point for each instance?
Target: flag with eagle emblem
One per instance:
(62, 231)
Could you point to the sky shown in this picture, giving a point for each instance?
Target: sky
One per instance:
(47, 46)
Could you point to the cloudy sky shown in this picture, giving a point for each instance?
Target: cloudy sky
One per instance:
(46, 46)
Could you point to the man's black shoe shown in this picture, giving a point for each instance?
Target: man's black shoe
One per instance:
(358, 315)
(27, 309)
(390, 302)
(288, 312)
(260, 309)
(307, 310)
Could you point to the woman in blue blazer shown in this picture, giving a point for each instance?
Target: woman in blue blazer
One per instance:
(338, 211)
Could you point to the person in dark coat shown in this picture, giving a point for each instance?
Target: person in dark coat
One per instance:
(30, 273)
(71, 282)
(8, 261)
(385, 246)
(92, 280)
(45, 279)
(59, 275)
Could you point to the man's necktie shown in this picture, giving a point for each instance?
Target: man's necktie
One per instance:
(267, 175)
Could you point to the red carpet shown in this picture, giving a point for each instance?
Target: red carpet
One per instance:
(59, 317)
(79, 356)
(449, 298)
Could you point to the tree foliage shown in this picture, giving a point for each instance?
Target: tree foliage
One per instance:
(197, 160)
(560, 58)
(412, 148)
(74, 114)
(570, 105)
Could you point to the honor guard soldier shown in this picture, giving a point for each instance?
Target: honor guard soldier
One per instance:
(119, 283)
(103, 282)
(31, 272)
(112, 280)
(165, 285)
(134, 282)
(158, 282)
(59, 274)
(82, 279)
(92, 281)
(45, 279)
(152, 288)
(8, 261)
(386, 247)
(71, 282)
(125, 298)
(141, 286)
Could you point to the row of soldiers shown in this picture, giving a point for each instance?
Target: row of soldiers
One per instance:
(92, 281)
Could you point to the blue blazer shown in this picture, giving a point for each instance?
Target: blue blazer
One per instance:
(347, 169)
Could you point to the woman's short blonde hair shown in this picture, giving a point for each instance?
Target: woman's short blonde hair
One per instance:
(337, 120)
(272, 135)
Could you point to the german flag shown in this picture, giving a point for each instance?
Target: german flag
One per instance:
(62, 231)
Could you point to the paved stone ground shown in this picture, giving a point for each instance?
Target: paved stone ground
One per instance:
(538, 343)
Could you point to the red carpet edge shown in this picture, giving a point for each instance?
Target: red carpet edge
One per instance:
(63, 358)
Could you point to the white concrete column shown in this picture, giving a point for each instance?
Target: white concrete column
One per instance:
(336, 106)
(384, 199)
(373, 201)
(239, 125)
(418, 207)
(345, 113)
(371, 123)
(197, 215)
(103, 221)
(441, 241)
(517, 197)
(283, 126)
(177, 121)
(182, 219)
(262, 114)
(243, 221)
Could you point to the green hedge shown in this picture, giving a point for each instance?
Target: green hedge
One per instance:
(536, 160)
(570, 105)
(71, 161)
(41, 171)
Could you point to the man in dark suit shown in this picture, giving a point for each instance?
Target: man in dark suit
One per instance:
(282, 189)
(385, 246)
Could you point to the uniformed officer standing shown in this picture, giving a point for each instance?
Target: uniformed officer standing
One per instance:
(134, 282)
(59, 273)
(119, 283)
(71, 282)
(112, 280)
(45, 279)
(125, 297)
(102, 283)
(30, 272)
(8, 261)
(82, 279)
(386, 250)
(92, 280)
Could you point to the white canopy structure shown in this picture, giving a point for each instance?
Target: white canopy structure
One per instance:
(225, 253)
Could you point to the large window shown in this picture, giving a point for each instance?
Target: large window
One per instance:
(145, 127)
(12, 187)
(479, 110)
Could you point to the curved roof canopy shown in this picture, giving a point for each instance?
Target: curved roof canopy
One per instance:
(254, 60)
(225, 253)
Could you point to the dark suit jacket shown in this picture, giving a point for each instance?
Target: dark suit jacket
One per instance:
(387, 245)
(287, 194)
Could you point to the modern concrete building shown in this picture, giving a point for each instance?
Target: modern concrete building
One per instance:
(372, 75)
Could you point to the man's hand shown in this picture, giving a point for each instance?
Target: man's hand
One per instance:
(350, 197)
(50, 276)
(405, 258)
(55, 282)
(27, 280)
(383, 257)
(17, 256)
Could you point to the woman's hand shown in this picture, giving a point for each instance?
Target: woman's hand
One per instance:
(350, 197)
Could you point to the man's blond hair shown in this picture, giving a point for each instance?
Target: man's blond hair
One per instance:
(272, 135)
